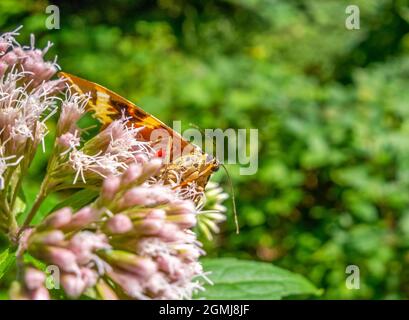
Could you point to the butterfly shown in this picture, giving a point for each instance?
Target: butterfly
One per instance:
(191, 168)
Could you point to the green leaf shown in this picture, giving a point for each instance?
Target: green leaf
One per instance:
(239, 279)
(78, 200)
(7, 258)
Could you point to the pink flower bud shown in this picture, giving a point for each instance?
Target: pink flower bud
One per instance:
(53, 237)
(182, 207)
(71, 112)
(29, 64)
(59, 218)
(136, 196)
(48, 72)
(145, 196)
(3, 68)
(34, 278)
(63, 258)
(118, 224)
(132, 173)
(161, 195)
(10, 58)
(157, 214)
(171, 232)
(73, 285)
(170, 265)
(143, 267)
(89, 276)
(40, 293)
(185, 221)
(128, 282)
(82, 218)
(110, 187)
(67, 140)
(151, 226)
(19, 52)
(188, 252)
(158, 285)
(85, 243)
(4, 45)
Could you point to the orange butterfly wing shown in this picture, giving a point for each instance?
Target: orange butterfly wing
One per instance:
(108, 106)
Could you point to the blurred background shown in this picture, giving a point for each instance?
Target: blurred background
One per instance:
(331, 106)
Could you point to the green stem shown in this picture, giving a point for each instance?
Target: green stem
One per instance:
(13, 229)
(9, 225)
(37, 203)
(43, 191)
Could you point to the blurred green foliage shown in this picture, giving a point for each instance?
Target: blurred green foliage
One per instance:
(331, 106)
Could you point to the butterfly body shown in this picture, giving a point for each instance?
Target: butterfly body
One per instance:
(194, 167)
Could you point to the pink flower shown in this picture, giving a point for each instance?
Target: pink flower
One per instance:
(133, 237)
(139, 240)
(32, 288)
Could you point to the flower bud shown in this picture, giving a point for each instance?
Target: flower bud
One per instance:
(185, 221)
(40, 293)
(118, 224)
(4, 45)
(20, 52)
(136, 196)
(61, 257)
(182, 207)
(58, 219)
(145, 196)
(105, 291)
(131, 174)
(156, 214)
(89, 276)
(150, 226)
(128, 282)
(53, 237)
(83, 245)
(73, 285)
(67, 140)
(188, 252)
(170, 232)
(33, 278)
(152, 167)
(82, 218)
(130, 262)
(71, 111)
(10, 58)
(110, 187)
(161, 195)
(3, 68)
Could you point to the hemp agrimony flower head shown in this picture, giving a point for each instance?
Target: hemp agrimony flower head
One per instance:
(130, 235)
(27, 101)
(133, 241)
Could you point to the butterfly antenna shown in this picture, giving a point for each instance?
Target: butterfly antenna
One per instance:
(233, 198)
(196, 127)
